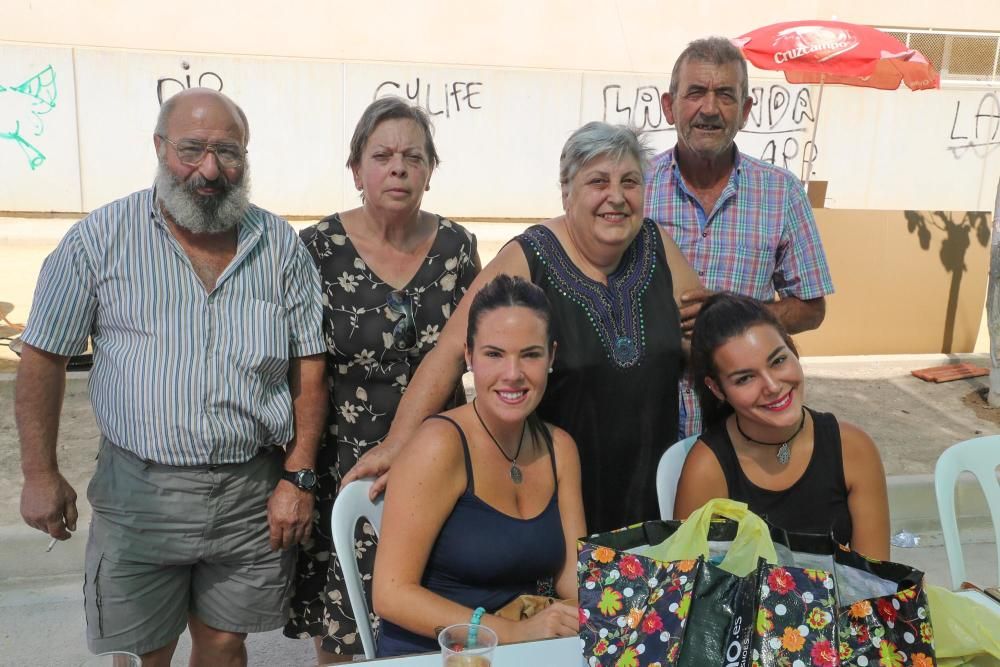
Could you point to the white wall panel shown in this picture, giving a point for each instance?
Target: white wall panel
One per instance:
(777, 129)
(499, 132)
(294, 109)
(39, 162)
(927, 150)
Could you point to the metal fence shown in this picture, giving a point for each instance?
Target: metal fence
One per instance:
(959, 56)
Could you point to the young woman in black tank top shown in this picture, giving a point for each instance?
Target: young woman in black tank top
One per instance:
(803, 470)
(486, 500)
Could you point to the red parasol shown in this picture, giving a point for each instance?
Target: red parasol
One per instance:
(836, 52)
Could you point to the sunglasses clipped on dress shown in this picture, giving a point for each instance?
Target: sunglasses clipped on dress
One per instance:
(404, 334)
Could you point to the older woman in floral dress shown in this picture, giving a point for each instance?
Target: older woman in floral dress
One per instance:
(392, 276)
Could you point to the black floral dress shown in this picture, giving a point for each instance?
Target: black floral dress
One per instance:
(367, 373)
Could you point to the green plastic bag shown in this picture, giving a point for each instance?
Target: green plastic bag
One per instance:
(752, 541)
(964, 628)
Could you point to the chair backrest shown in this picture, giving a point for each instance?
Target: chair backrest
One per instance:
(980, 456)
(668, 473)
(351, 506)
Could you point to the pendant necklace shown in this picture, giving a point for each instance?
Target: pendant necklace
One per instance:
(515, 472)
(784, 450)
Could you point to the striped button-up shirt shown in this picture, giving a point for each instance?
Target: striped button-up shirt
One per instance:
(758, 240)
(181, 376)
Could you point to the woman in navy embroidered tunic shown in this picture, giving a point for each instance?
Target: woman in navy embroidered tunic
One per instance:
(614, 281)
(619, 357)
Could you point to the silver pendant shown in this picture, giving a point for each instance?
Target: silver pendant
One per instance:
(515, 474)
(784, 453)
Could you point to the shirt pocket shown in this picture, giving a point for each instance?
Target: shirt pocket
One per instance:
(751, 271)
(258, 338)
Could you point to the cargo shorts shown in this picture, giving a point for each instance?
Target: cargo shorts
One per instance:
(169, 541)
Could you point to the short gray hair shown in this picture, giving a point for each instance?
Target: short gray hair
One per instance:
(597, 139)
(168, 105)
(390, 108)
(714, 50)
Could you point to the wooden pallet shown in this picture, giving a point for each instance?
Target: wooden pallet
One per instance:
(950, 372)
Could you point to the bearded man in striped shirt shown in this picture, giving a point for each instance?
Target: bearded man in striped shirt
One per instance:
(744, 225)
(208, 387)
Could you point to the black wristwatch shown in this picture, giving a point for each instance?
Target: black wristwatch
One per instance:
(305, 479)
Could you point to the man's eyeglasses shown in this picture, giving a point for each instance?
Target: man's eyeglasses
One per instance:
(191, 152)
(404, 334)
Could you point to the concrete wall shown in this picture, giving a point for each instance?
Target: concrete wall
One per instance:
(80, 82)
(898, 290)
(75, 130)
(507, 85)
(907, 282)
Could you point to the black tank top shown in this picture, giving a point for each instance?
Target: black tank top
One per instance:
(815, 503)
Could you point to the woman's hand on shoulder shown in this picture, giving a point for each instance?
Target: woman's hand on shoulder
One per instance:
(701, 480)
(374, 463)
(689, 292)
(377, 461)
(435, 451)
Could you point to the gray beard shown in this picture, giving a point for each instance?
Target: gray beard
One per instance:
(202, 215)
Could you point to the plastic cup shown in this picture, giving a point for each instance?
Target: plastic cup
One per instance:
(456, 650)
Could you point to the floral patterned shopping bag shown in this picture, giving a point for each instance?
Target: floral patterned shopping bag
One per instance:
(638, 610)
(796, 618)
(633, 609)
(881, 617)
(818, 603)
(891, 628)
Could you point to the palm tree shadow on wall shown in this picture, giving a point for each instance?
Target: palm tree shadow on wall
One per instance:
(952, 254)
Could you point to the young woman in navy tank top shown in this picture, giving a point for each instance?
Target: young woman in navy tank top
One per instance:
(485, 503)
(802, 470)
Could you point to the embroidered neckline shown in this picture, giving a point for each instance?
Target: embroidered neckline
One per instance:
(614, 310)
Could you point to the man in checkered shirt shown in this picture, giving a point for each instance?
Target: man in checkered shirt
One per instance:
(744, 225)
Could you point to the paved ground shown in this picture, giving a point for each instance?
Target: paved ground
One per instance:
(910, 420)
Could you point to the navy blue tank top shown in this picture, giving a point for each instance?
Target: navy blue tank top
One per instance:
(483, 557)
(815, 503)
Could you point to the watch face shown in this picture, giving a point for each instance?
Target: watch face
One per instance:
(306, 479)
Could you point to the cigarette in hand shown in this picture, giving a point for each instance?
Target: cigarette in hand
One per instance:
(52, 543)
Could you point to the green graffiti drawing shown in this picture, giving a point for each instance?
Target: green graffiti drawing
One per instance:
(24, 104)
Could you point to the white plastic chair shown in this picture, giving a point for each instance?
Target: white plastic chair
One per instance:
(668, 473)
(351, 506)
(980, 456)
